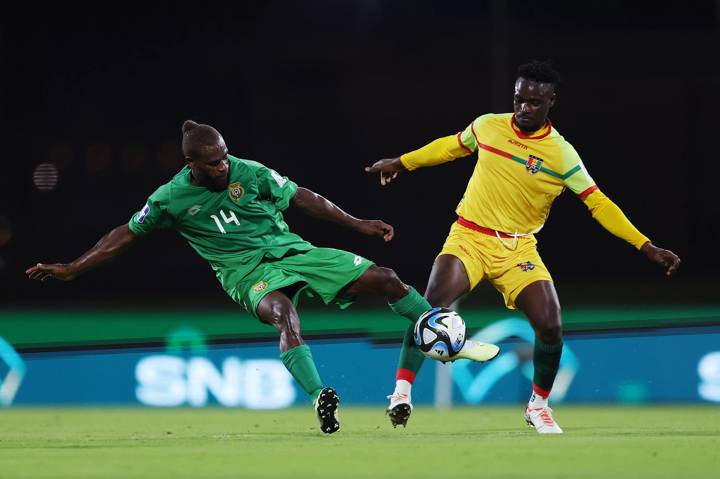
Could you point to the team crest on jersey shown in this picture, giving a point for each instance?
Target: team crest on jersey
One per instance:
(259, 286)
(236, 191)
(533, 164)
(526, 266)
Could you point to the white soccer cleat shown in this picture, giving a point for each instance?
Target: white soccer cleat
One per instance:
(326, 407)
(399, 409)
(477, 351)
(541, 419)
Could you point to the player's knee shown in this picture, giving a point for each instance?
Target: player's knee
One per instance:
(549, 328)
(279, 314)
(550, 333)
(391, 283)
(438, 299)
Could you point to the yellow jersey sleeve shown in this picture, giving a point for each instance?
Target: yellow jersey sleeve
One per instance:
(442, 150)
(575, 175)
(611, 217)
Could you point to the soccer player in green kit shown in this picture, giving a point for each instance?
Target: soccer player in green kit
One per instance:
(230, 211)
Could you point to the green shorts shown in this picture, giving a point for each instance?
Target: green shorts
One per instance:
(322, 272)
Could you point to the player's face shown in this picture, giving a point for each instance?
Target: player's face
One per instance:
(532, 102)
(211, 168)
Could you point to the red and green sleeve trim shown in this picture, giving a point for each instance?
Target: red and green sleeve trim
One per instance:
(584, 194)
(462, 145)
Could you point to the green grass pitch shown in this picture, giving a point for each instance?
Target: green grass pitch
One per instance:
(483, 442)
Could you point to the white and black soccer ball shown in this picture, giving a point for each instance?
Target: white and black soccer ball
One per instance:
(440, 333)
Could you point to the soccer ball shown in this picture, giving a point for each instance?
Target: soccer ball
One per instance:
(440, 334)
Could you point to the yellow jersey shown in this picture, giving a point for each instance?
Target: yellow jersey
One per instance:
(518, 176)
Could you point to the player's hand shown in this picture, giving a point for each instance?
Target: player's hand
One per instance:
(44, 272)
(376, 228)
(663, 257)
(388, 169)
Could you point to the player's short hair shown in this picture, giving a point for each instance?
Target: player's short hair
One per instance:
(196, 136)
(539, 71)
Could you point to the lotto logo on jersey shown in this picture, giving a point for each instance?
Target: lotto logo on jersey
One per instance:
(533, 164)
(236, 191)
(143, 213)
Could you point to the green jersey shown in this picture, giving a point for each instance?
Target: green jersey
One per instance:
(232, 229)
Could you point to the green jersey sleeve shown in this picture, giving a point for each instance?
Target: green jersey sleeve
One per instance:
(275, 188)
(154, 215)
(575, 175)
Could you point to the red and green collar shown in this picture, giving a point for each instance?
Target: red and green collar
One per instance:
(536, 135)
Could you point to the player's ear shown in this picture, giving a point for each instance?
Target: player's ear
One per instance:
(552, 99)
(188, 160)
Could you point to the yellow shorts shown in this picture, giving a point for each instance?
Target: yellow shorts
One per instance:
(509, 269)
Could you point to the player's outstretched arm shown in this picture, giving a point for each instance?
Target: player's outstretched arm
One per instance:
(609, 215)
(109, 246)
(317, 206)
(434, 153)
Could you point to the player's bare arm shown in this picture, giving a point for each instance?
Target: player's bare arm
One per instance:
(665, 258)
(388, 169)
(317, 206)
(109, 246)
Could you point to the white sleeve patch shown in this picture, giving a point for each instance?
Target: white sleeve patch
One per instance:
(279, 179)
(143, 213)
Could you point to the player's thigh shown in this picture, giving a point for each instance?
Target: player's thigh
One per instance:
(265, 279)
(457, 269)
(521, 267)
(327, 271)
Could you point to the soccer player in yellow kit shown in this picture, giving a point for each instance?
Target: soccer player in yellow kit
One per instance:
(523, 165)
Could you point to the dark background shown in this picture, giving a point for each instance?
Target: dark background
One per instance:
(319, 89)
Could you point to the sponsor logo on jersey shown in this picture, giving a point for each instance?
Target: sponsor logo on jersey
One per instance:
(259, 286)
(357, 260)
(143, 213)
(533, 164)
(236, 191)
(517, 143)
(526, 266)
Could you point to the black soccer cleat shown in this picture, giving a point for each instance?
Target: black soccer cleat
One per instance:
(326, 407)
(399, 415)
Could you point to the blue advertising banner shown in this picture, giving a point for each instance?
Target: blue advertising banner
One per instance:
(664, 365)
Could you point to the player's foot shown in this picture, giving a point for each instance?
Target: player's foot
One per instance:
(399, 409)
(477, 351)
(541, 419)
(326, 407)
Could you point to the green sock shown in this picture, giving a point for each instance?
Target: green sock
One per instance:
(299, 362)
(546, 359)
(411, 306)
(411, 359)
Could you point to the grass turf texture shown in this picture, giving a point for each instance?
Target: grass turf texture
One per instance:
(489, 442)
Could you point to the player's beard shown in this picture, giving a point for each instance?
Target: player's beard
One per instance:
(218, 184)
